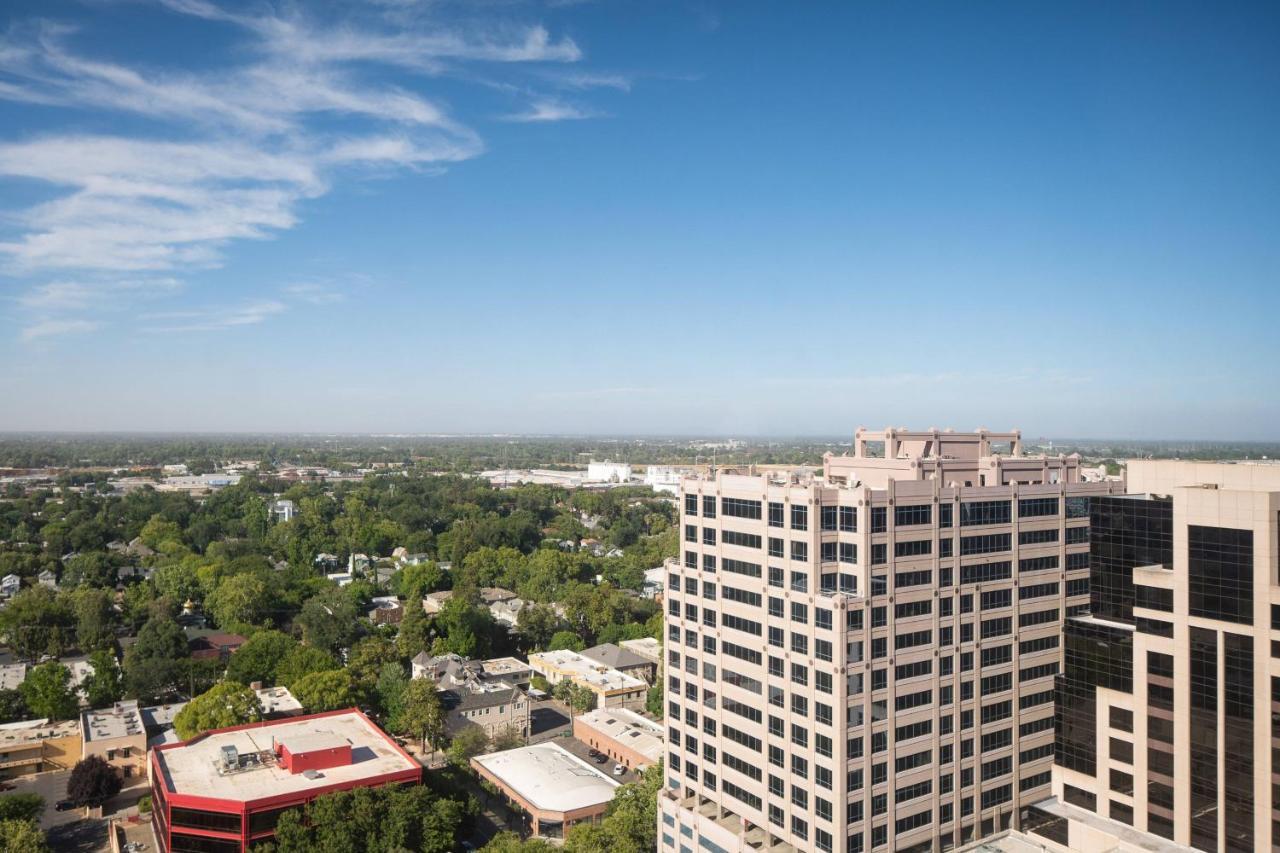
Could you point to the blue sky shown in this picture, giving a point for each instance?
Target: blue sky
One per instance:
(685, 217)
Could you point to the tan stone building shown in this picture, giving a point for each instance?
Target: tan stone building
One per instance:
(863, 658)
(118, 735)
(1167, 721)
(34, 746)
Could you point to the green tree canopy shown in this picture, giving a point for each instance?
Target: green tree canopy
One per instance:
(261, 657)
(225, 704)
(326, 691)
(104, 686)
(300, 662)
(47, 692)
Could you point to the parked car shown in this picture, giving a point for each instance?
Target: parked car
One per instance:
(593, 753)
(5, 786)
(618, 770)
(64, 805)
(601, 758)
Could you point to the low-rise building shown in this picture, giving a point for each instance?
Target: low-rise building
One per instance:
(224, 790)
(490, 595)
(48, 579)
(555, 789)
(210, 645)
(507, 612)
(611, 688)
(433, 602)
(33, 746)
(10, 585)
(277, 702)
(625, 736)
(507, 669)
(283, 510)
(386, 612)
(117, 735)
(623, 660)
(645, 647)
(496, 707)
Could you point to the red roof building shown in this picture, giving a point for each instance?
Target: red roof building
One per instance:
(223, 791)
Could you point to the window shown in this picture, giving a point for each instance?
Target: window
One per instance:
(1121, 750)
(1038, 617)
(996, 599)
(776, 547)
(822, 618)
(1037, 537)
(691, 533)
(739, 508)
(914, 548)
(746, 540)
(799, 582)
(829, 521)
(740, 567)
(708, 506)
(744, 597)
(849, 519)
(848, 552)
(690, 506)
(985, 512)
(911, 609)
(879, 554)
(904, 516)
(1153, 598)
(923, 577)
(986, 543)
(799, 517)
(708, 562)
(984, 573)
(1037, 590)
(800, 552)
(708, 536)
(879, 519)
(1034, 507)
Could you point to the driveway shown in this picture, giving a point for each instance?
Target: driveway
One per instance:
(549, 718)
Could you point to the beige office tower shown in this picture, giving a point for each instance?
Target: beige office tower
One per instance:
(1169, 711)
(864, 659)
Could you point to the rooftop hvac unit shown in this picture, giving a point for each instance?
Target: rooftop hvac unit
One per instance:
(230, 758)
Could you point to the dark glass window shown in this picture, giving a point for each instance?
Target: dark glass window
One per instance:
(199, 819)
(1220, 573)
(829, 518)
(879, 519)
(904, 516)
(1094, 656)
(1204, 739)
(985, 512)
(708, 506)
(1034, 507)
(740, 508)
(1153, 598)
(1127, 532)
(799, 517)
(1237, 753)
(776, 514)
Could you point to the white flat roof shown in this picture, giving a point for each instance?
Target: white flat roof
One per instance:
(549, 777)
(12, 675)
(627, 728)
(586, 671)
(192, 768)
(277, 700)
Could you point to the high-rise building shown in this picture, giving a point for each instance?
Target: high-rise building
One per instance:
(863, 658)
(1165, 707)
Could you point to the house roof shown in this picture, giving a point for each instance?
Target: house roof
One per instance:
(549, 777)
(615, 656)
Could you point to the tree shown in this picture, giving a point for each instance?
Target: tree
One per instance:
(301, 662)
(159, 530)
(260, 658)
(509, 738)
(223, 705)
(366, 659)
(36, 623)
(509, 842)
(95, 618)
(22, 836)
(393, 681)
(325, 691)
(385, 819)
(467, 744)
(158, 663)
(653, 701)
(13, 707)
(415, 581)
(538, 623)
(47, 692)
(566, 640)
(415, 631)
(329, 620)
(104, 685)
(242, 599)
(92, 782)
(423, 714)
(21, 807)
(467, 628)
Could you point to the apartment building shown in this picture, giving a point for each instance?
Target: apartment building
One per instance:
(1166, 720)
(863, 658)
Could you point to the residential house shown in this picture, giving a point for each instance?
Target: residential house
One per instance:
(10, 585)
(433, 602)
(507, 612)
(386, 611)
(48, 579)
(283, 510)
(495, 706)
(208, 645)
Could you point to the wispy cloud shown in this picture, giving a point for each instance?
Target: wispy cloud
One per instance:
(231, 151)
(548, 111)
(214, 318)
(50, 328)
(315, 294)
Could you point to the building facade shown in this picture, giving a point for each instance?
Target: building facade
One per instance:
(1165, 713)
(223, 791)
(864, 658)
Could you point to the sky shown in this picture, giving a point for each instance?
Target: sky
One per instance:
(740, 218)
